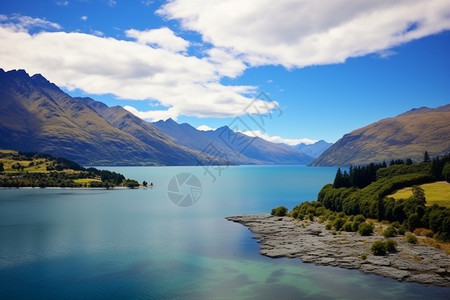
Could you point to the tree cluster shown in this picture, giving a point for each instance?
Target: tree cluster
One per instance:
(371, 201)
(57, 175)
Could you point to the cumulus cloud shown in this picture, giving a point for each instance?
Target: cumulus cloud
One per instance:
(185, 85)
(162, 38)
(278, 139)
(296, 33)
(84, 18)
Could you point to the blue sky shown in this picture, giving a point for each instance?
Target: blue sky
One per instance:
(329, 66)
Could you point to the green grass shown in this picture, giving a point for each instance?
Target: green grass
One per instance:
(435, 193)
(86, 180)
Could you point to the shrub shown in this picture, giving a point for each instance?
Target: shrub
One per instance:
(390, 245)
(390, 231)
(348, 227)
(401, 230)
(310, 210)
(378, 248)
(395, 224)
(320, 211)
(338, 223)
(411, 238)
(328, 226)
(355, 226)
(359, 218)
(280, 211)
(365, 229)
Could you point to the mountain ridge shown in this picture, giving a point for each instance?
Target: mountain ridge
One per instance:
(36, 115)
(407, 135)
(235, 146)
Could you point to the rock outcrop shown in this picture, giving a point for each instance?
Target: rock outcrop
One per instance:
(312, 243)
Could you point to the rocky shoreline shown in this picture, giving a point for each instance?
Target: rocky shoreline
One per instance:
(312, 243)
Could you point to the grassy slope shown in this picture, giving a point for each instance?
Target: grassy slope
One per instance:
(36, 165)
(435, 193)
(407, 135)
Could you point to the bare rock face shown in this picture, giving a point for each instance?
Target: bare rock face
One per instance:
(312, 243)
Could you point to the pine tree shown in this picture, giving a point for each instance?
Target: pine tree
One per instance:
(338, 180)
(426, 157)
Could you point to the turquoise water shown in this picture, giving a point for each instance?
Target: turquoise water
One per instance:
(136, 244)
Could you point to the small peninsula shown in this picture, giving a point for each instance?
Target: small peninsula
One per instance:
(312, 243)
(32, 169)
(391, 220)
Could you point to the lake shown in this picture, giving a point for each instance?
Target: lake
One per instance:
(170, 241)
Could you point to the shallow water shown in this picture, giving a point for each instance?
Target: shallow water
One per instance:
(90, 244)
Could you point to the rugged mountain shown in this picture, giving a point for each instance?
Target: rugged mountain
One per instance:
(232, 146)
(35, 115)
(314, 150)
(407, 135)
(164, 146)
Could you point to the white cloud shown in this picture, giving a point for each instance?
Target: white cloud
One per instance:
(153, 115)
(278, 139)
(62, 3)
(84, 18)
(147, 2)
(23, 23)
(225, 62)
(186, 85)
(205, 128)
(296, 33)
(386, 53)
(162, 38)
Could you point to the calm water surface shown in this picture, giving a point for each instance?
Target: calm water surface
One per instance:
(136, 244)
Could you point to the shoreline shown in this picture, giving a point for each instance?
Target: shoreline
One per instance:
(312, 243)
(66, 188)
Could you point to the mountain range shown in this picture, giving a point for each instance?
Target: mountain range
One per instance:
(407, 135)
(233, 146)
(36, 115)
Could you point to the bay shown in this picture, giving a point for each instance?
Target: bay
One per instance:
(138, 244)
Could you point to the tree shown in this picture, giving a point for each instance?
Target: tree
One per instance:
(280, 211)
(446, 172)
(419, 193)
(426, 157)
(413, 222)
(338, 180)
(131, 183)
(144, 183)
(1, 167)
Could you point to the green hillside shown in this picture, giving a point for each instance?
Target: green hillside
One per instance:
(30, 169)
(372, 199)
(435, 193)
